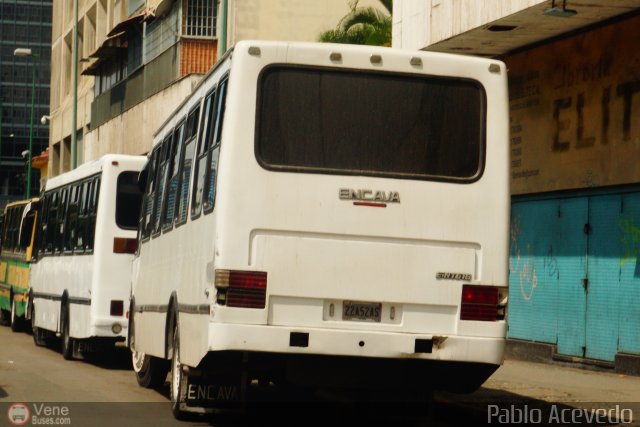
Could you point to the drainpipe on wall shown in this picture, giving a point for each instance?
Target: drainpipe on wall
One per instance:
(74, 118)
(223, 30)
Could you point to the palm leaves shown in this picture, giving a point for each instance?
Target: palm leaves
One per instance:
(363, 25)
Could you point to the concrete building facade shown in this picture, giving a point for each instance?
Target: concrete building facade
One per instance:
(139, 59)
(574, 81)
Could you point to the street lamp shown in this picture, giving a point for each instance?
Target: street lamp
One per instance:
(22, 51)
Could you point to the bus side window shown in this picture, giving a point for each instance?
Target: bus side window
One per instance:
(161, 176)
(173, 176)
(19, 224)
(42, 225)
(37, 207)
(8, 239)
(153, 198)
(204, 144)
(60, 220)
(6, 235)
(186, 164)
(81, 227)
(3, 233)
(93, 211)
(147, 210)
(143, 182)
(214, 150)
(26, 232)
(51, 222)
(13, 224)
(20, 215)
(71, 220)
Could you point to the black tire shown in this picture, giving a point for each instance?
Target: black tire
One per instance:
(177, 378)
(16, 322)
(151, 372)
(39, 335)
(5, 317)
(67, 341)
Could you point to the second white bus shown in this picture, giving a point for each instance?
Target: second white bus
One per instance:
(81, 281)
(326, 215)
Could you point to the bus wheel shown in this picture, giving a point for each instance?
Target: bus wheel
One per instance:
(16, 322)
(178, 378)
(67, 341)
(39, 336)
(5, 317)
(151, 372)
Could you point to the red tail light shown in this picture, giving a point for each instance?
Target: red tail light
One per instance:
(479, 303)
(246, 289)
(123, 245)
(117, 308)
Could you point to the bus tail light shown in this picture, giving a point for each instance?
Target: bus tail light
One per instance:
(484, 303)
(123, 245)
(246, 289)
(117, 308)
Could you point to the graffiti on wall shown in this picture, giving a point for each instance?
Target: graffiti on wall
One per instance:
(630, 243)
(521, 266)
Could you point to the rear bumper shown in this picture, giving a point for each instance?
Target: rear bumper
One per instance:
(336, 342)
(103, 327)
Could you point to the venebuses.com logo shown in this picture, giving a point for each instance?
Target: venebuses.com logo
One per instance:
(20, 414)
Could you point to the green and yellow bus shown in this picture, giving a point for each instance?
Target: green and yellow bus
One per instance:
(16, 252)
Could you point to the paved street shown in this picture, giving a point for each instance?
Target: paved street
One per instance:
(35, 374)
(106, 393)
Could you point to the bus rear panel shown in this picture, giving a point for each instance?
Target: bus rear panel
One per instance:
(365, 214)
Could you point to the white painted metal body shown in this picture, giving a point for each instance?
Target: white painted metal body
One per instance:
(319, 250)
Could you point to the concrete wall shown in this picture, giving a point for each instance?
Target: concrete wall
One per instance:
(574, 111)
(299, 20)
(132, 132)
(95, 20)
(420, 23)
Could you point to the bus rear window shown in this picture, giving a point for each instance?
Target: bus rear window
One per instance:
(359, 123)
(128, 199)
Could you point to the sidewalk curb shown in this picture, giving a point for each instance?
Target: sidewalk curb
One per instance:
(530, 351)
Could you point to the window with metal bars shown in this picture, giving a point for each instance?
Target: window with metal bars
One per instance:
(199, 18)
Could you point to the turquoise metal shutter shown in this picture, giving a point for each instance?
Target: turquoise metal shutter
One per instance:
(568, 258)
(603, 293)
(533, 293)
(629, 312)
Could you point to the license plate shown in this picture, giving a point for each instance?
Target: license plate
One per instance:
(362, 311)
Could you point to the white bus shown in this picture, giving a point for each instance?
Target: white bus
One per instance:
(326, 215)
(87, 236)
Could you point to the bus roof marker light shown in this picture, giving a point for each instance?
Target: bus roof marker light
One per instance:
(416, 61)
(560, 12)
(335, 57)
(376, 59)
(494, 68)
(115, 163)
(254, 51)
